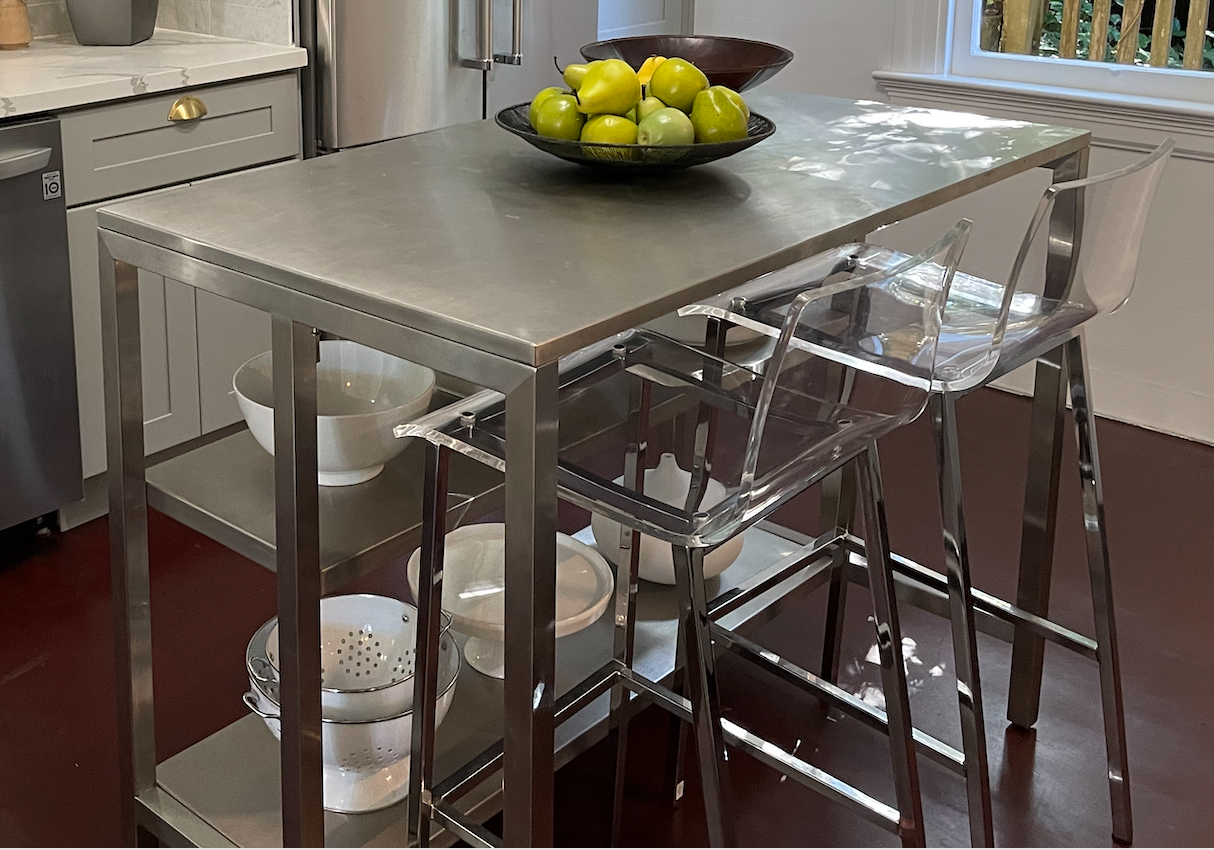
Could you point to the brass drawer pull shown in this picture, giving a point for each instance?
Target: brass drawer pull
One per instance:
(187, 108)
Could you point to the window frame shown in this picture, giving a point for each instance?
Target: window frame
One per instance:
(965, 59)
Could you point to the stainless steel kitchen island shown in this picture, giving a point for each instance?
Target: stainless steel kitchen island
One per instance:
(469, 252)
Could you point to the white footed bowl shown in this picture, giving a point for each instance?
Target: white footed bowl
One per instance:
(361, 394)
(474, 589)
(667, 483)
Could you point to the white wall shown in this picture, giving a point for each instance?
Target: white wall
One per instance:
(623, 18)
(1150, 361)
(837, 43)
(266, 21)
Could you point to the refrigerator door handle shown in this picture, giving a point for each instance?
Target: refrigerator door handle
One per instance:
(484, 40)
(19, 162)
(515, 56)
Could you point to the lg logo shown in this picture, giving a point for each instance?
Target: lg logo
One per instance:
(52, 185)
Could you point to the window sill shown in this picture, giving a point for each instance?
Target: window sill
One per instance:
(1124, 122)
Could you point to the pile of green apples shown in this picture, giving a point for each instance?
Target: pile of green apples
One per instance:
(665, 102)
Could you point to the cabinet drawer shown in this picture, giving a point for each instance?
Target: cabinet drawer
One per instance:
(133, 146)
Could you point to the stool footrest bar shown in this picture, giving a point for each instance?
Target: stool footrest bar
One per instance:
(776, 574)
(489, 761)
(849, 704)
(855, 800)
(991, 606)
(472, 834)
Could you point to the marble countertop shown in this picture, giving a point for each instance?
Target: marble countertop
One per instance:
(57, 73)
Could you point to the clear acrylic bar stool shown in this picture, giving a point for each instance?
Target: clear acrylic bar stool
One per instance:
(794, 430)
(1078, 259)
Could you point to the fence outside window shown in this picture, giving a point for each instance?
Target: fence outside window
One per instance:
(1157, 33)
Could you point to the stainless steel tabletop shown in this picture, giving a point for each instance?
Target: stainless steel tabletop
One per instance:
(462, 232)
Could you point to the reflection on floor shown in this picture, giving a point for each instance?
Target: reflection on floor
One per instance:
(57, 740)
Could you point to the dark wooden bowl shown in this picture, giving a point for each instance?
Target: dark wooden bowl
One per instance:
(633, 158)
(736, 63)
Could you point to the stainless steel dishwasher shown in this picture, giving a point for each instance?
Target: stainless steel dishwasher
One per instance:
(39, 423)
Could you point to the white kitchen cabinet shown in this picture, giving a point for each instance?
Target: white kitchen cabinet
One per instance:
(169, 347)
(191, 341)
(228, 335)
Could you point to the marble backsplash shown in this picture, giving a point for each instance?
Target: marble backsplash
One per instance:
(267, 21)
(48, 17)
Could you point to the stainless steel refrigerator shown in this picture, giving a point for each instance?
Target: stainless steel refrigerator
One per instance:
(389, 68)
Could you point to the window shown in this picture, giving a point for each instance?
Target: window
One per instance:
(1160, 49)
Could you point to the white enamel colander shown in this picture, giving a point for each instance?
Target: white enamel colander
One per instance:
(365, 763)
(366, 656)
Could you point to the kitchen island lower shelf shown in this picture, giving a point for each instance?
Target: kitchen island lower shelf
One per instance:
(225, 789)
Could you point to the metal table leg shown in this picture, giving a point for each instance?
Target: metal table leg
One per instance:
(1102, 592)
(128, 536)
(530, 680)
(299, 580)
(1045, 453)
(1037, 537)
(961, 616)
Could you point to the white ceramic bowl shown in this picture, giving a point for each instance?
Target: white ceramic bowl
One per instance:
(365, 764)
(366, 656)
(474, 566)
(361, 394)
(667, 483)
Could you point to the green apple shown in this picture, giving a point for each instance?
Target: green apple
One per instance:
(667, 126)
(716, 118)
(538, 101)
(574, 74)
(676, 82)
(735, 97)
(610, 87)
(610, 129)
(558, 118)
(647, 107)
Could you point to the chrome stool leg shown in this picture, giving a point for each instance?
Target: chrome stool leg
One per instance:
(626, 585)
(1102, 592)
(961, 616)
(1037, 536)
(889, 643)
(429, 603)
(701, 684)
(837, 508)
(701, 470)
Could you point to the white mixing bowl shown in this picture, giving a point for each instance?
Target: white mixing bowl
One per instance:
(361, 394)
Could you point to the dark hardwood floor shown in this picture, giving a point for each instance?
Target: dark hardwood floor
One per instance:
(58, 749)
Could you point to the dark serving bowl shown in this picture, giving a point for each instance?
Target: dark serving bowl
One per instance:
(736, 63)
(632, 157)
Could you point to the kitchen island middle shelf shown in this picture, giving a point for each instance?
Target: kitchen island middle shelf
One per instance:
(224, 489)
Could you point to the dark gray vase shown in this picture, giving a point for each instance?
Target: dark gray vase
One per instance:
(112, 22)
